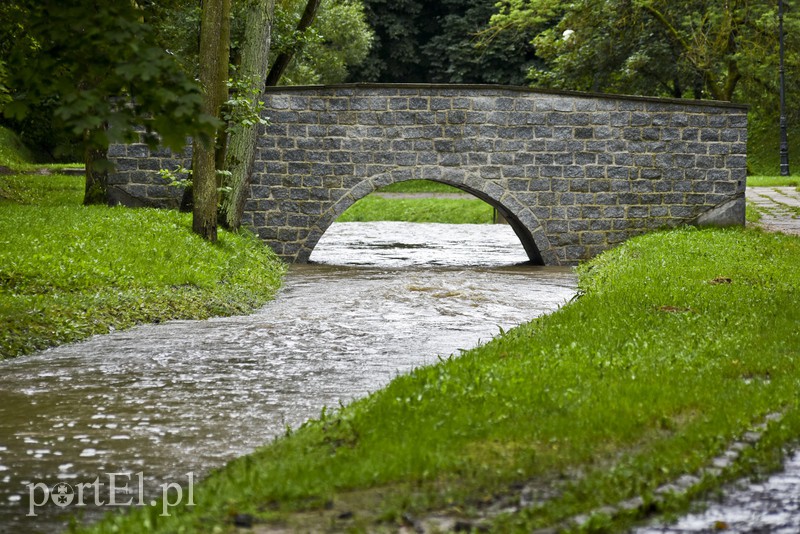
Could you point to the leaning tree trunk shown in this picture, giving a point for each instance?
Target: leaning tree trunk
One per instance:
(214, 57)
(242, 139)
(284, 58)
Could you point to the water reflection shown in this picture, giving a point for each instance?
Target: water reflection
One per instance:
(187, 396)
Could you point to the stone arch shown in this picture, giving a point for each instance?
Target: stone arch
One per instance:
(519, 216)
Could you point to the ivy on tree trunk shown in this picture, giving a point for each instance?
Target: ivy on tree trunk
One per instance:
(241, 147)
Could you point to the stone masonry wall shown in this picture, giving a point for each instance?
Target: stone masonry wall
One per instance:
(574, 173)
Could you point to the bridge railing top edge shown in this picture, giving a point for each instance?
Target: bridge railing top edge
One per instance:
(508, 88)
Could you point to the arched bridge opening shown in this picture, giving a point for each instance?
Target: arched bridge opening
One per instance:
(521, 219)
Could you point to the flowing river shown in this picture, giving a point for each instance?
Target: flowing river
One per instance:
(164, 404)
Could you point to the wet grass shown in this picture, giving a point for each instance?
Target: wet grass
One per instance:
(68, 271)
(773, 181)
(12, 152)
(752, 213)
(420, 186)
(441, 210)
(680, 342)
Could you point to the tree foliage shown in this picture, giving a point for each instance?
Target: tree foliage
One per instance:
(438, 42)
(100, 61)
(338, 39)
(693, 49)
(97, 66)
(697, 48)
(456, 53)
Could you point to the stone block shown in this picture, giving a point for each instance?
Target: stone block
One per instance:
(599, 186)
(600, 225)
(682, 211)
(492, 172)
(117, 150)
(697, 120)
(514, 173)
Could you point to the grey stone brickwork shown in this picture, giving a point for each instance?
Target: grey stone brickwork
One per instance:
(136, 180)
(573, 173)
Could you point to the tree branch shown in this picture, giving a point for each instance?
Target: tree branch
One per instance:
(284, 58)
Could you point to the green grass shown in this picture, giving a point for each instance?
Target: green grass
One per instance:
(773, 181)
(69, 271)
(12, 152)
(420, 186)
(751, 213)
(443, 210)
(680, 342)
(44, 191)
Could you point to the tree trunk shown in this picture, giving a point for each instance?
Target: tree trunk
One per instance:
(241, 148)
(214, 57)
(95, 160)
(284, 58)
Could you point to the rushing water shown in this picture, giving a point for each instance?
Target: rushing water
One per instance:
(186, 396)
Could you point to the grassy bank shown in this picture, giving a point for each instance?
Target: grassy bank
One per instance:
(68, 271)
(12, 152)
(420, 186)
(763, 147)
(441, 210)
(680, 342)
(773, 181)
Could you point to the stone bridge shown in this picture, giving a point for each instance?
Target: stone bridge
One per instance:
(573, 173)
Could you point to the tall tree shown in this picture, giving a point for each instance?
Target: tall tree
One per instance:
(99, 64)
(214, 57)
(693, 48)
(251, 77)
(332, 45)
(261, 31)
(439, 42)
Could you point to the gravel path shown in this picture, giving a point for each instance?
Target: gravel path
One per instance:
(779, 208)
(770, 506)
